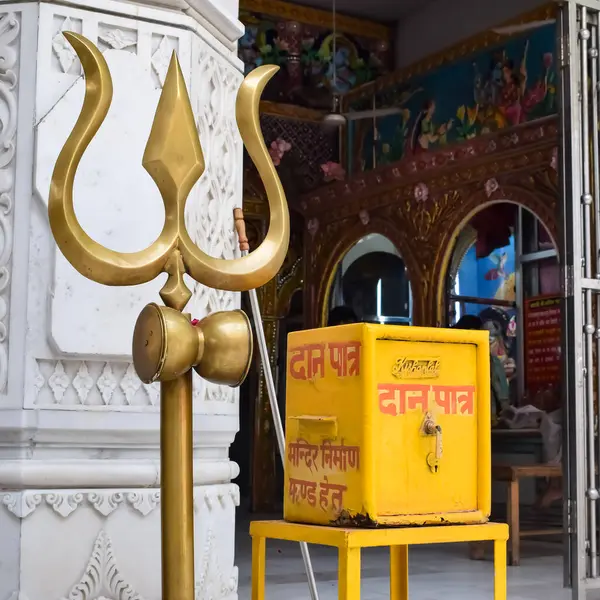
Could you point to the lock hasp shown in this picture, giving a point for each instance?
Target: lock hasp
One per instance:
(387, 425)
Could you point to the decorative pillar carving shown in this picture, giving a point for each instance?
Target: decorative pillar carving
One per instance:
(79, 433)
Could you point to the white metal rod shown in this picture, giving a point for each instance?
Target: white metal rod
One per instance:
(587, 200)
(279, 431)
(377, 112)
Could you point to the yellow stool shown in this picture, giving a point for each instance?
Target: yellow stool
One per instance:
(350, 541)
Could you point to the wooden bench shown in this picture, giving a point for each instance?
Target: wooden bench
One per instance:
(512, 474)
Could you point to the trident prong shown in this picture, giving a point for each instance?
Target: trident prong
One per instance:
(173, 158)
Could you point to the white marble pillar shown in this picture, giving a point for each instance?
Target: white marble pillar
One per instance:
(79, 468)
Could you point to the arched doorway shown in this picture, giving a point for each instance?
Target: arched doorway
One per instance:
(504, 268)
(372, 280)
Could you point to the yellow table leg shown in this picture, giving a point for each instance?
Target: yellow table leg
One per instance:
(499, 569)
(398, 572)
(259, 547)
(348, 574)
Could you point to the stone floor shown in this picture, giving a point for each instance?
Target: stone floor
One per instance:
(436, 572)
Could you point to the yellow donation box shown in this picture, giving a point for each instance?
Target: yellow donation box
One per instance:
(387, 425)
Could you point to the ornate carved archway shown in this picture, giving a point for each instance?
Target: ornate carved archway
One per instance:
(541, 202)
(337, 247)
(421, 203)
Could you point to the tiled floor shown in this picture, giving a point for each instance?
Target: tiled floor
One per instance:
(436, 573)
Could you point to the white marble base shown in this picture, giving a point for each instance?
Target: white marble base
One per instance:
(90, 544)
(79, 458)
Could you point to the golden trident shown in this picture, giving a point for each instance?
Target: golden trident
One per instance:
(166, 345)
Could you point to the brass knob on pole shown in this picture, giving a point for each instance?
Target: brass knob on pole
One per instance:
(166, 345)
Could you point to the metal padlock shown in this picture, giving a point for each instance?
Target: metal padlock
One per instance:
(434, 458)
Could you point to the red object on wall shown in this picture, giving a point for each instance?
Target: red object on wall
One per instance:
(542, 330)
(494, 228)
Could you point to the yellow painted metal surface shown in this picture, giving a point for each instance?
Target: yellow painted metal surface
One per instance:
(350, 542)
(344, 537)
(387, 425)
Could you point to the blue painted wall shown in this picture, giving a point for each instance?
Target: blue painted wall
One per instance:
(489, 277)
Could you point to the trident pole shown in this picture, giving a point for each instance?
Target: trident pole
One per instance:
(238, 216)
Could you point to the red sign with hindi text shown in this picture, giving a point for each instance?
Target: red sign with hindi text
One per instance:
(542, 330)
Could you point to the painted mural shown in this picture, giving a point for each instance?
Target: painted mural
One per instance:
(501, 87)
(305, 54)
(492, 277)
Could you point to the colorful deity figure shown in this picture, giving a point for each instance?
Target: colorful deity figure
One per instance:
(501, 96)
(339, 66)
(486, 91)
(513, 88)
(499, 270)
(498, 323)
(540, 99)
(496, 77)
(425, 133)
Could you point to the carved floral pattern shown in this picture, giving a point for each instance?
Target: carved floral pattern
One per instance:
(107, 383)
(64, 504)
(83, 382)
(153, 393)
(59, 382)
(130, 384)
(144, 503)
(38, 379)
(102, 577)
(21, 505)
(105, 502)
(87, 384)
(62, 49)
(211, 582)
(161, 57)
(9, 36)
(421, 192)
(118, 39)
(209, 211)
(491, 186)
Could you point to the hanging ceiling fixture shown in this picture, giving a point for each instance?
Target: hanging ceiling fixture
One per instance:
(334, 118)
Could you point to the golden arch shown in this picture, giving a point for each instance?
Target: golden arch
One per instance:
(538, 205)
(340, 248)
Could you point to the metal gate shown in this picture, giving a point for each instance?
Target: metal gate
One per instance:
(579, 66)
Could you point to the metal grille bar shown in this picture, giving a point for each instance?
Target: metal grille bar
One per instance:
(579, 45)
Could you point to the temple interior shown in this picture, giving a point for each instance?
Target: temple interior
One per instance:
(432, 327)
(420, 165)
